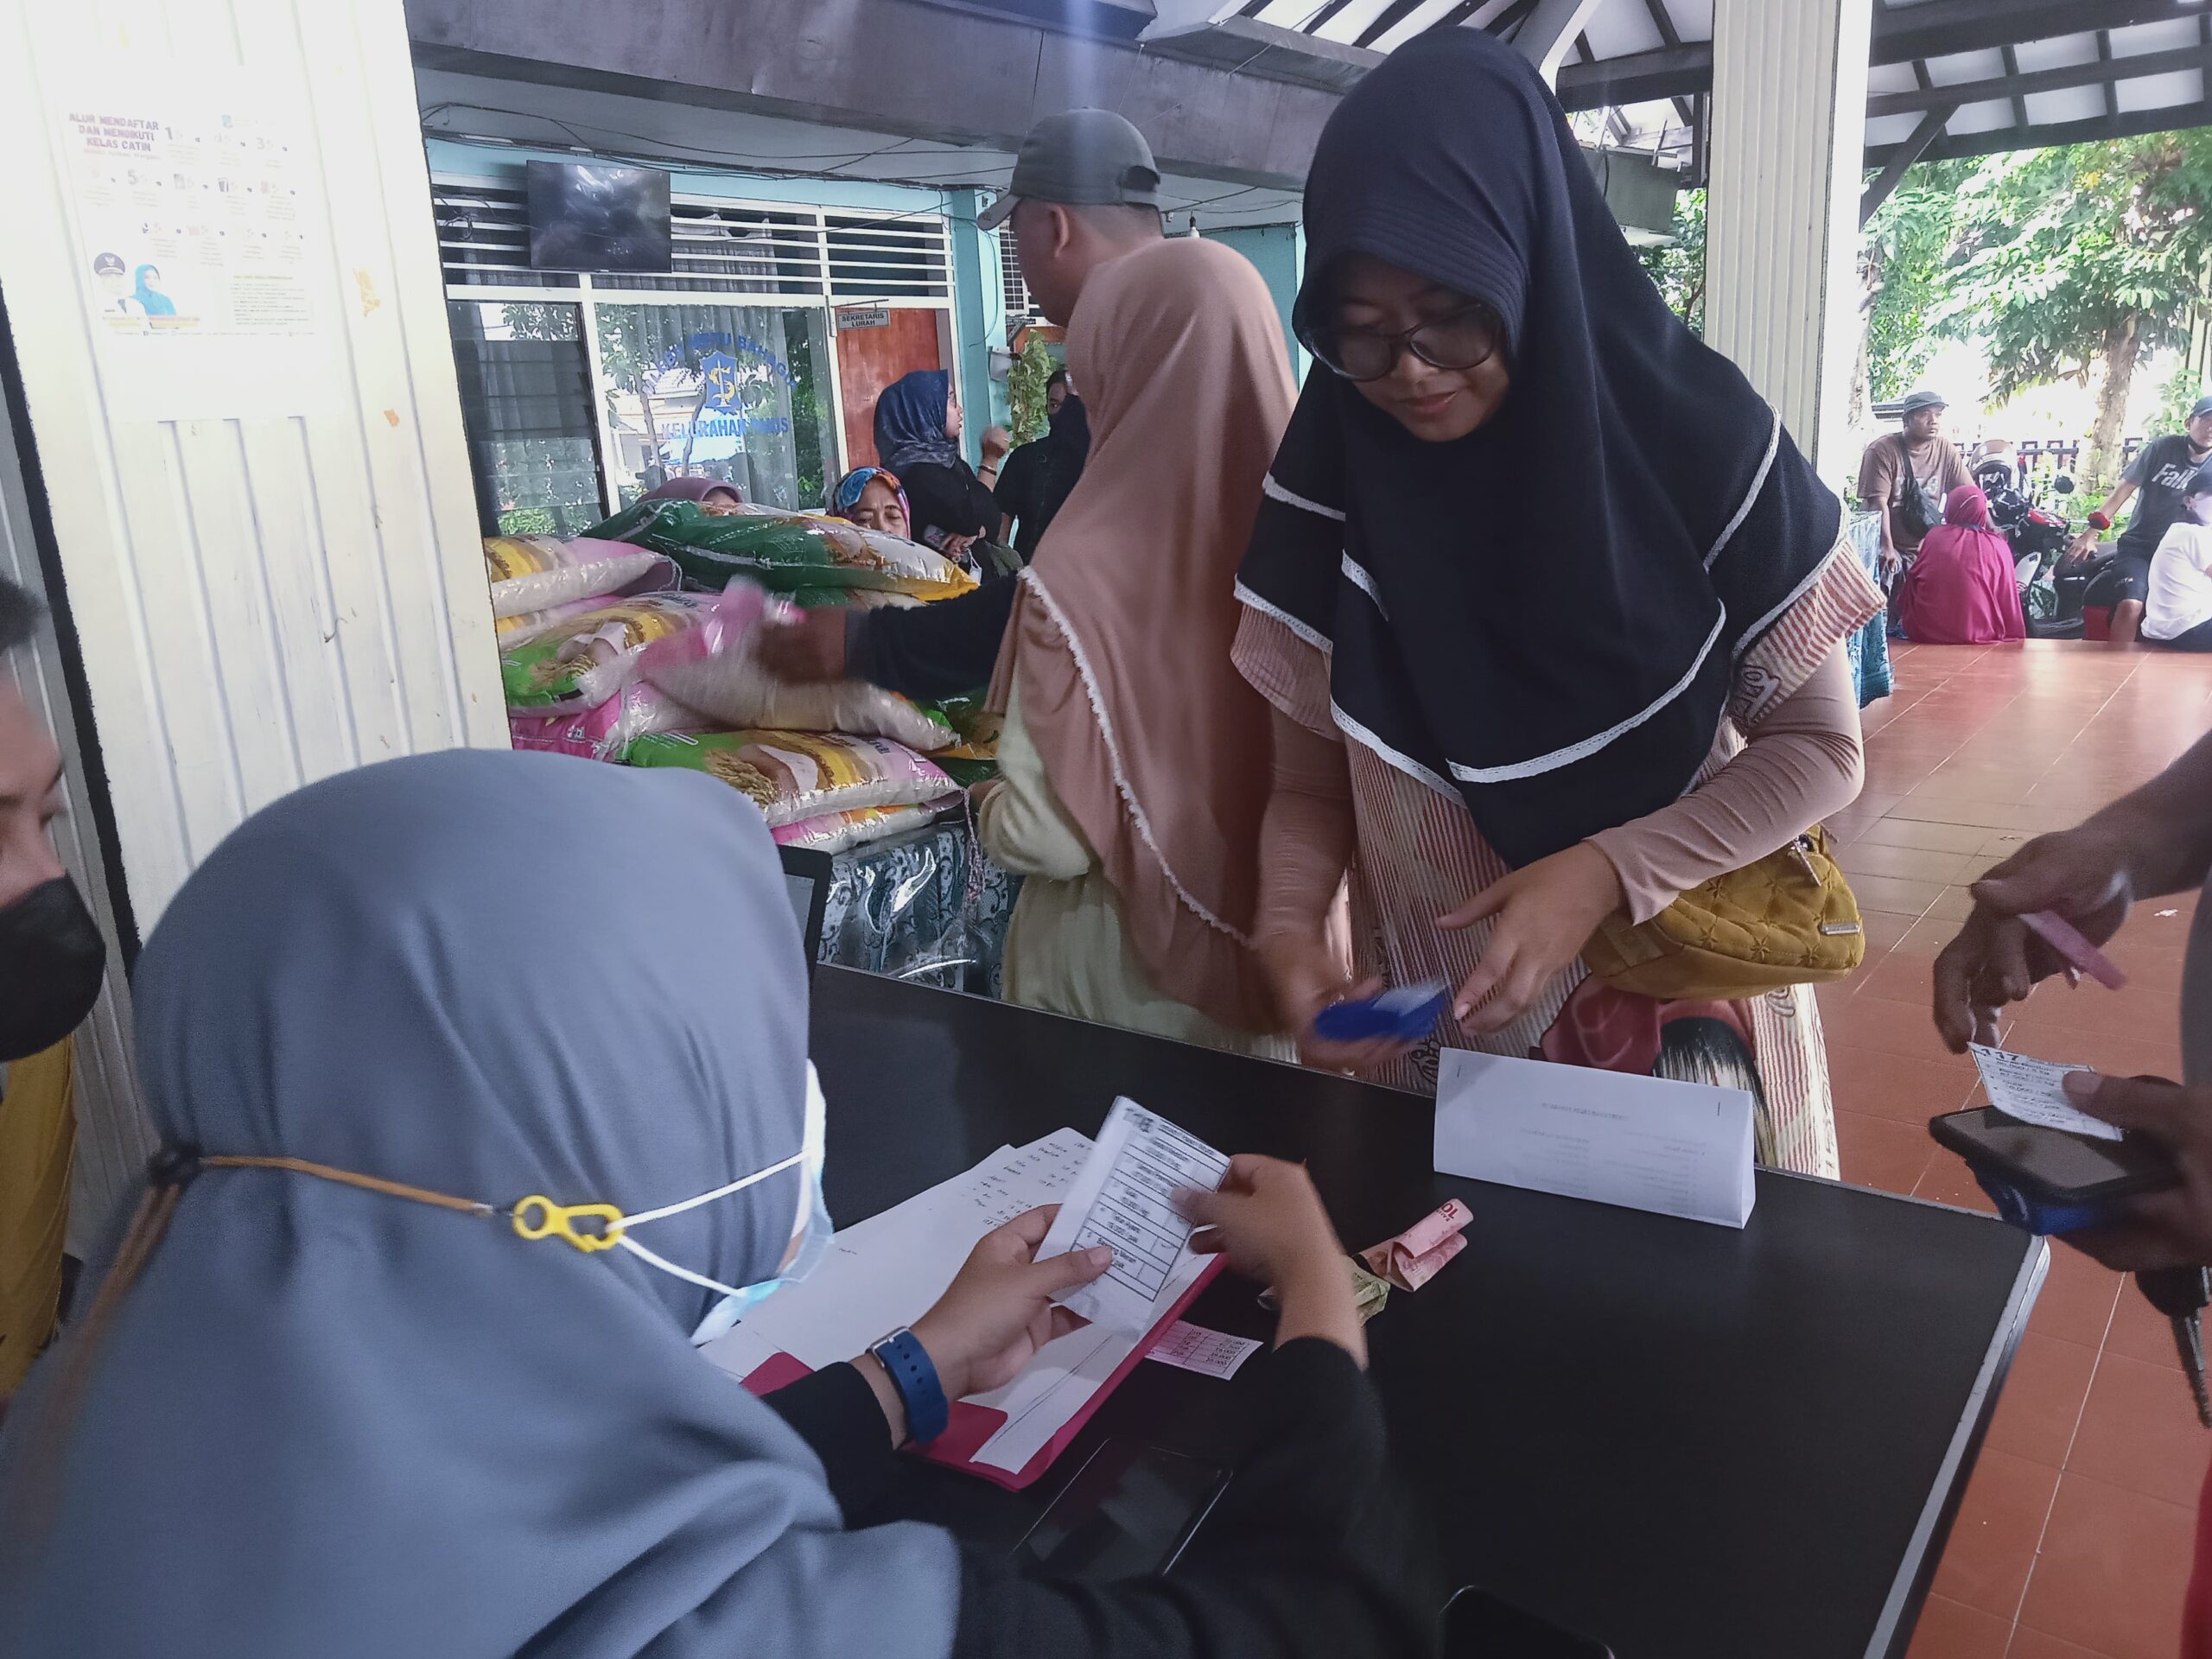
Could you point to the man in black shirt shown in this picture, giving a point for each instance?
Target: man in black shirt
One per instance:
(2158, 474)
(1085, 190)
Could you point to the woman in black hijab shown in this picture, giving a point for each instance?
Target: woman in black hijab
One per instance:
(1547, 600)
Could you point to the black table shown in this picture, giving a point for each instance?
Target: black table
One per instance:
(1684, 1440)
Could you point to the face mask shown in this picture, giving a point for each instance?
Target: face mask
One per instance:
(51, 959)
(811, 1231)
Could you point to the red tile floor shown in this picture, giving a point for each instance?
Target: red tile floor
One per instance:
(2074, 1538)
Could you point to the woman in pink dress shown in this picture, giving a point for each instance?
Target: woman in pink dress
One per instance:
(1961, 591)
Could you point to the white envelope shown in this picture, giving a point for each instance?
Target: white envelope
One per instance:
(1645, 1143)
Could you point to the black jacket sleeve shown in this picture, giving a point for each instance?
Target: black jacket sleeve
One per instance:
(944, 650)
(835, 1412)
(1311, 1553)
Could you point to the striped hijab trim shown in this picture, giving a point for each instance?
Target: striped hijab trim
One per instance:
(1291, 499)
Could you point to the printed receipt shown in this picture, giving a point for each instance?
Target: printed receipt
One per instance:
(2033, 1091)
(1124, 1197)
(1194, 1348)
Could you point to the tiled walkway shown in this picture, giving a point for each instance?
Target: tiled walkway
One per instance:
(2074, 1539)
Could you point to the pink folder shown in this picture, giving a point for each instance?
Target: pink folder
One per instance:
(972, 1424)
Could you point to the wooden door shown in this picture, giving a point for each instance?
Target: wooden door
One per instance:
(868, 359)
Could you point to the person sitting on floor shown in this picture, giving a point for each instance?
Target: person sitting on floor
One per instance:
(2177, 611)
(1961, 590)
(334, 1399)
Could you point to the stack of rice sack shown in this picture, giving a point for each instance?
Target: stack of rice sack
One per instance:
(656, 674)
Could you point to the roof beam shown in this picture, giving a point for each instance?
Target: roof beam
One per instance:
(1905, 34)
(2017, 86)
(1943, 27)
(2012, 60)
(915, 70)
(2104, 55)
(1638, 77)
(1549, 34)
(2171, 118)
(1663, 20)
(1893, 173)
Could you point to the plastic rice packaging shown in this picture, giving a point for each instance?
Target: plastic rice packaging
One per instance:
(713, 668)
(837, 832)
(582, 662)
(531, 574)
(784, 551)
(521, 630)
(795, 775)
(976, 730)
(603, 732)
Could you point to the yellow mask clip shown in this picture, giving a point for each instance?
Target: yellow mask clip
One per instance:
(538, 1217)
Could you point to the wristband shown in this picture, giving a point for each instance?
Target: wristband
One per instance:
(912, 1372)
(2100, 521)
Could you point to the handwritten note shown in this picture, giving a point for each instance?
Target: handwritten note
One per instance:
(1124, 1197)
(2034, 1091)
(1194, 1348)
(1645, 1143)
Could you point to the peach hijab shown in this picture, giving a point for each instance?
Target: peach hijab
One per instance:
(1120, 636)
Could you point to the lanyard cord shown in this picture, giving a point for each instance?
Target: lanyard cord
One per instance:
(348, 1178)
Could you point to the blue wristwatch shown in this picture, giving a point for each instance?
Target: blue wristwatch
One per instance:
(907, 1364)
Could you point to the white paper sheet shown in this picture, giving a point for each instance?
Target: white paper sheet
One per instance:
(885, 1273)
(1645, 1143)
(2030, 1090)
(1194, 1348)
(1124, 1197)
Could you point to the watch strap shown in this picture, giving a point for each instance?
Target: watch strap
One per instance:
(909, 1367)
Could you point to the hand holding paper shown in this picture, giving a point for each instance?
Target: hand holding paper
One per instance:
(998, 1311)
(2034, 1091)
(1124, 1197)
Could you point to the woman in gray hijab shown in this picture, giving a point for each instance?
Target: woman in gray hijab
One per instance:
(327, 1401)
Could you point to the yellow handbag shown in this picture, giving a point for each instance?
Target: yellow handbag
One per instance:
(1788, 919)
(38, 1138)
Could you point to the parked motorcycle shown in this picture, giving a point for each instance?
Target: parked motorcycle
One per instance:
(2038, 539)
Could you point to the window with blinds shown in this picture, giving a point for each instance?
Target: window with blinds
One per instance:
(793, 253)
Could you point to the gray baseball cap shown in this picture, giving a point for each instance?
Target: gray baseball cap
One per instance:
(2200, 409)
(1082, 158)
(1916, 401)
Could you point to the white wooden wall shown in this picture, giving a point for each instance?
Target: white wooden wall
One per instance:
(269, 544)
(1781, 224)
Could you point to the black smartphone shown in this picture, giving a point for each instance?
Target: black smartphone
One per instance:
(2054, 1167)
(1477, 1625)
(1131, 1509)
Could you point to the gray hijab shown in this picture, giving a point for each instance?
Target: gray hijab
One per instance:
(331, 1422)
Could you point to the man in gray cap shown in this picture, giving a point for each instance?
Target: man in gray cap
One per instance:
(1085, 190)
(1905, 476)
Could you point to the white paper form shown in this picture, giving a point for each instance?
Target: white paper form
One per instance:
(2032, 1090)
(1644, 1143)
(1125, 1198)
(887, 1271)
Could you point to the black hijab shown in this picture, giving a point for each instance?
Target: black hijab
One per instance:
(1067, 430)
(1562, 660)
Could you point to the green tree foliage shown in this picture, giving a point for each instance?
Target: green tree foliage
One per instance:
(1678, 267)
(1025, 389)
(1902, 259)
(2093, 254)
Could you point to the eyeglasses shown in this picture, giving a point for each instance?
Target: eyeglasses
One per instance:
(1466, 339)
